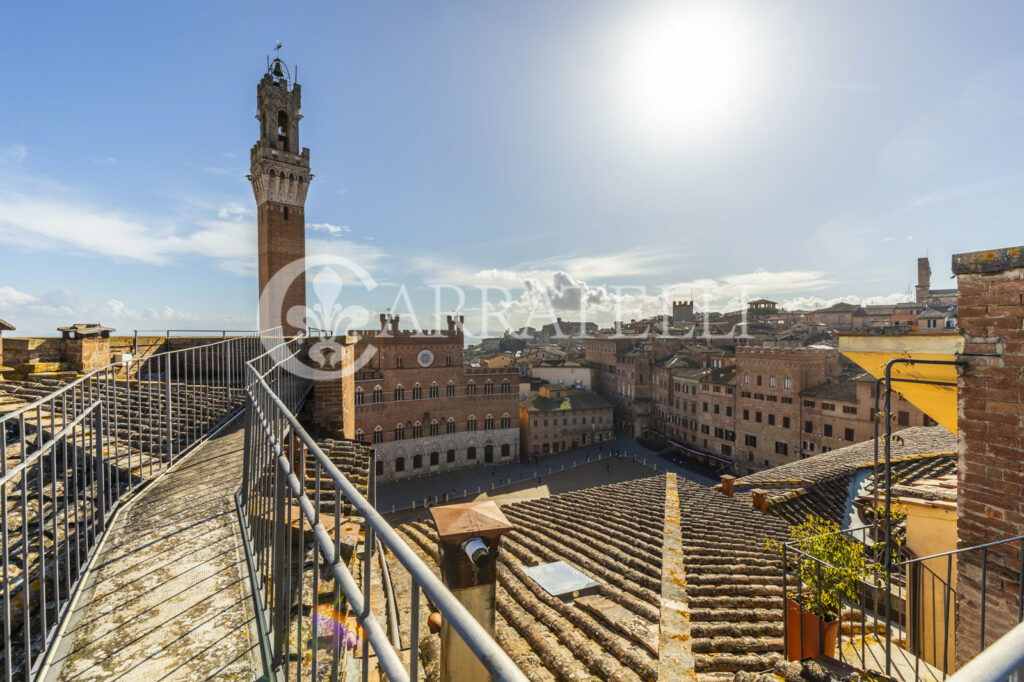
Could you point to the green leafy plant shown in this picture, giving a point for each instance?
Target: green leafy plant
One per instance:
(830, 568)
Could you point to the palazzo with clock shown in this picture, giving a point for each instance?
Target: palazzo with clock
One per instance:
(424, 411)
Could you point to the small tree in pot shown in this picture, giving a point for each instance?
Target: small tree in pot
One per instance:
(829, 567)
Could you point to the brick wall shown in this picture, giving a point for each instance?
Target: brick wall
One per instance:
(334, 396)
(990, 504)
(282, 240)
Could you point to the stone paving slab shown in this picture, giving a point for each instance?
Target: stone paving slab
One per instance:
(169, 597)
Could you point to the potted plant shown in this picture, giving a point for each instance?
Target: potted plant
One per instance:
(829, 567)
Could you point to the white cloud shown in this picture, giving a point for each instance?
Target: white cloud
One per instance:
(11, 297)
(327, 227)
(103, 160)
(815, 302)
(41, 314)
(16, 153)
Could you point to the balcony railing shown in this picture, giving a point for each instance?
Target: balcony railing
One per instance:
(295, 552)
(70, 458)
(915, 618)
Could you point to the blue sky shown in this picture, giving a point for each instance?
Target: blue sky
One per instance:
(800, 151)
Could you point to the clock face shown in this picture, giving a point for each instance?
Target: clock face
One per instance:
(425, 358)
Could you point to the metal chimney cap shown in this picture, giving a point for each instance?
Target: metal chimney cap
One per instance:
(458, 522)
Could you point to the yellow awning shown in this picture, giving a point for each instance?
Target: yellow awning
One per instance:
(873, 351)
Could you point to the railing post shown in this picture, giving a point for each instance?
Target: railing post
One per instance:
(167, 383)
(97, 434)
(279, 615)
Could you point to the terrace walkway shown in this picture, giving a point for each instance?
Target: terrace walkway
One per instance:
(169, 595)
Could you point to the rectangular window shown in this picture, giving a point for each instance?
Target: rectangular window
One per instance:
(717, 409)
(808, 403)
(746, 414)
(704, 408)
(781, 448)
(828, 406)
(787, 383)
(828, 430)
(757, 417)
(758, 379)
(785, 422)
(771, 420)
(771, 381)
(849, 409)
(398, 362)
(751, 441)
(848, 435)
(808, 427)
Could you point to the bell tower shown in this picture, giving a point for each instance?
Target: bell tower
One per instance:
(279, 173)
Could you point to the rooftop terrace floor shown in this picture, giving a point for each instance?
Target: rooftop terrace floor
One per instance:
(168, 597)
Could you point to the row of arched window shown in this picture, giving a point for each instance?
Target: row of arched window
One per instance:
(415, 430)
(433, 391)
(418, 460)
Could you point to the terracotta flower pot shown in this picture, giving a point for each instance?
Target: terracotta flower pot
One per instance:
(806, 641)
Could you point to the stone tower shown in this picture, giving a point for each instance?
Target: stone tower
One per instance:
(924, 280)
(279, 173)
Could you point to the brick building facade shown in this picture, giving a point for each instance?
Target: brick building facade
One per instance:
(558, 419)
(425, 411)
(763, 407)
(990, 486)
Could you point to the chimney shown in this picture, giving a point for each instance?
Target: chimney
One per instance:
(727, 484)
(383, 322)
(468, 536)
(394, 325)
(334, 389)
(990, 286)
(759, 499)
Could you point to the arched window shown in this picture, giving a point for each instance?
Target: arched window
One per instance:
(378, 434)
(400, 432)
(434, 391)
(435, 459)
(450, 389)
(488, 453)
(506, 450)
(359, 395)
(417, 462)
(360, 435)
(380, 468)
(489, 387)
(489, 423)
(505, 387)
(433, 427)
(450, 456)
(506, 421)
(399, 392)
(417, 391)
(471, 452)
(282, 128)
(378, 394)
(471, 388)
(417, 430)
(471, 423)
(450, 426)
(400, 464)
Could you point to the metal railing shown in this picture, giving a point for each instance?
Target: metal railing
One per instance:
(312, 613)
(71, 456)
(1001, 662)
(914, 605)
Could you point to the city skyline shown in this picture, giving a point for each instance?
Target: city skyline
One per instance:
(487, 147)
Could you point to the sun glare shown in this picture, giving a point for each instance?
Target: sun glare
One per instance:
(685, 70)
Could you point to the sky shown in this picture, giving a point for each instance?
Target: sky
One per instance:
(602, 154)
